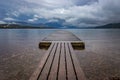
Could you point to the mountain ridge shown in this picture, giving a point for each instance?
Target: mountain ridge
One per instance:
(55, 25)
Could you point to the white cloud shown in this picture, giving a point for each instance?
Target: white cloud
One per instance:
(15, 13)
(53, 20)
(74, 15)
(52, 3)
(2, 22)
(32, 20)
(9, 19)
(111, 10)
(36, 16)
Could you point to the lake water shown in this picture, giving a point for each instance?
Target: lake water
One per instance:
(19, 52)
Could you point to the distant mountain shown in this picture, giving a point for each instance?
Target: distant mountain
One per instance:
(59, 25)
(22, 23)
(108, 26)
(17, 26)
(46, 24)
(55, 25)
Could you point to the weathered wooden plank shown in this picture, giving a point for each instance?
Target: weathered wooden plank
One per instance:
(55, 66)
(42, 64)
(61, 36)
(62, 70)
(44, 74)
(78, 71)
(70, 69)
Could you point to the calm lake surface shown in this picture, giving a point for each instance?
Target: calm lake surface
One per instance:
(20, 54)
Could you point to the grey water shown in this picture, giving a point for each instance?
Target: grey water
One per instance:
(20, 54)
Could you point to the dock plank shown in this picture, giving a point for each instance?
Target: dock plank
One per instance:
(70, 70)
(42, 64)
(45, 72)
(55, 66)
(78, 71)
(62, 70)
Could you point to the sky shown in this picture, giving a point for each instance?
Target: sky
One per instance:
(80, 13)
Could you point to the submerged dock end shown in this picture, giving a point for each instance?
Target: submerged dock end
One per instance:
(77, 45)
(44, 45)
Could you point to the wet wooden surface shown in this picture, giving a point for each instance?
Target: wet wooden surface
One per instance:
(59, 62)
(61, 36)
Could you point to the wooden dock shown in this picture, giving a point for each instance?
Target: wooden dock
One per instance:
(61, 36)
(59, 62)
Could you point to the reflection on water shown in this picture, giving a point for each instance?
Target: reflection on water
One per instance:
(19, 52)
(21, 38)
(99, 34)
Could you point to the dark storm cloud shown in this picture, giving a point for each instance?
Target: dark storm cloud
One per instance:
(75, 12)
